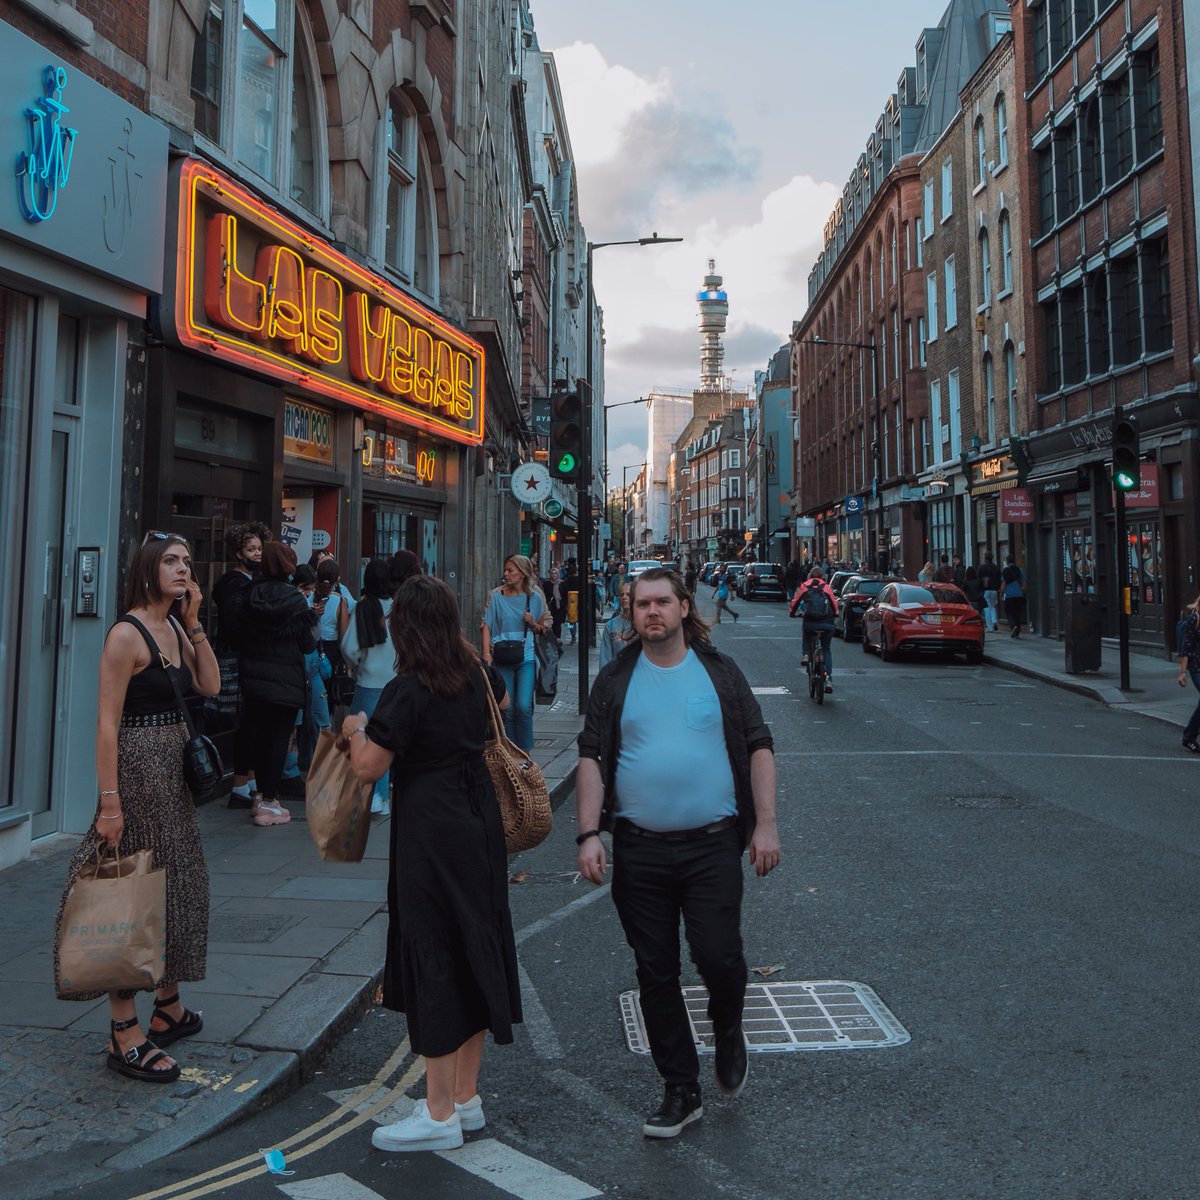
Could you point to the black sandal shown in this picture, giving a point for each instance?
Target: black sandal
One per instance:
(188, 1024)
(138, 1062)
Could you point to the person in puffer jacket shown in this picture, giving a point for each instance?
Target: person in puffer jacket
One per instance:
(278, 630)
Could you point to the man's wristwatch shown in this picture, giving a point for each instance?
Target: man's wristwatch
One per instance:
(583, 837)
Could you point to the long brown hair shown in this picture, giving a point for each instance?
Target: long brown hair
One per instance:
(142, 585)
(424, 624)
(695, 630)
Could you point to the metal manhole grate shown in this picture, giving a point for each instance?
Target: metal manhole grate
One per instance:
(825, 1014)
(987, 802)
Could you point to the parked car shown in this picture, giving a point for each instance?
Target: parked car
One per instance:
(855, 598)
(838, 579)
(706, 572)
(922, 617)
(638, 565)
(732, 571)
(762, 580)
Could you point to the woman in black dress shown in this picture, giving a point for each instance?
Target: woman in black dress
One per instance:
(451, 958)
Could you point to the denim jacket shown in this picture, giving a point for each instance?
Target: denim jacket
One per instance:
(741, 717)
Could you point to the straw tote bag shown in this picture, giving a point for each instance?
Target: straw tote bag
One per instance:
(520, 787)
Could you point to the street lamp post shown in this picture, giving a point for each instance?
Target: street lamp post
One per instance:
(584, 498)
(882, 555)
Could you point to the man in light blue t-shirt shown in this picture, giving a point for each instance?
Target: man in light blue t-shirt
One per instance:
(675, 761)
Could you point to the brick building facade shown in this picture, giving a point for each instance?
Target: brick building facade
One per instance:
(1110, 258)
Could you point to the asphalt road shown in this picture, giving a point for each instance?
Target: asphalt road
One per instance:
(1011, 868)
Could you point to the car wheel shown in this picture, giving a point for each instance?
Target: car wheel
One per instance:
(975, 657)
(885, 651)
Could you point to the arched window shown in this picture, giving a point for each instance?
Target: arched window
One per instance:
(989, 399)
(409, 227)
(985, 267)
(1010, 384)
(1006, 258)
(980, 153)
(256, 94)
(1001, 131)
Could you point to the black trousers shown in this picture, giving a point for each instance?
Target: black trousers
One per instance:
(268, 728)
(654, 882)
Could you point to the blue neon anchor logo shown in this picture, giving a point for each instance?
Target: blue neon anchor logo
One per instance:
(44, 168)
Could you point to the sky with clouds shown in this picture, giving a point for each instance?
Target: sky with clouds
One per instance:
(733, 127)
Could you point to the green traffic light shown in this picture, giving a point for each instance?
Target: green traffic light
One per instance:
(567, 463)
(1125, 482)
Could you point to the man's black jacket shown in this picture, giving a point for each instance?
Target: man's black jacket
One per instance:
(741, 717)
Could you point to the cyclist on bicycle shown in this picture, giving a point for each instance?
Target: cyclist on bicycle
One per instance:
(815, 601)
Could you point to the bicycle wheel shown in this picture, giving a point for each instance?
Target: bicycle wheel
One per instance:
(819, 681)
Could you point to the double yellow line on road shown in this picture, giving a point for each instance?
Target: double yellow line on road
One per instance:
(307, 1141)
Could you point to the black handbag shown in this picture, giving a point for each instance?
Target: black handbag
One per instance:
(202, 765)
(509, 653)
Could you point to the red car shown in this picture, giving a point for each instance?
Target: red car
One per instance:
(933, 617)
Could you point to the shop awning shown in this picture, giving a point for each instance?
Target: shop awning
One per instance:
(995, 485)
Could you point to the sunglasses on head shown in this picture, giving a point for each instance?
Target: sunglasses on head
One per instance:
(158, 536)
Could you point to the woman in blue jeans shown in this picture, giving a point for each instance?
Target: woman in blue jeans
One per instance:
(516, 613)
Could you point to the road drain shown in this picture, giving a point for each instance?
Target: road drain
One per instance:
(826, 1014)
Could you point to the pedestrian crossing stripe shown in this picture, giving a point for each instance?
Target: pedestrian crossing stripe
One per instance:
(328, 1187)
(517, 1173)
(770, 691)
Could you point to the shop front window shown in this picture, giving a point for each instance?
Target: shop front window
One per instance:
(1077, 549)
(1145, 561)
(17, 319)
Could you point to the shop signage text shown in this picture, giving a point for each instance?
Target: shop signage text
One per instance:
(307, 432)
(1015, 506)
(46, 166)
(254, 288)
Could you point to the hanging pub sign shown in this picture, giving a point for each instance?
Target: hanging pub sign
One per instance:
(307, 432)
(254, 289)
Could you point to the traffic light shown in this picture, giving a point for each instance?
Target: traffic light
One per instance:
(566, 436)
(1126, 455)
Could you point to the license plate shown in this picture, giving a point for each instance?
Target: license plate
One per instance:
(938, 619)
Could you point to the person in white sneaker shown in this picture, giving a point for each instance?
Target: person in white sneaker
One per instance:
(671, 707)
(451, 958)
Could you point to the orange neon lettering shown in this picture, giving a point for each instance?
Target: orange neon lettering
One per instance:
(422, 357)
(230, 298)
(368, 339)
(399, 379)
(283, 269)
(443, 381)
(464, 382)
(325, 308)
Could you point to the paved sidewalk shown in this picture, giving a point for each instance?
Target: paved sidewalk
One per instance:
(296, 949)
(1154, 690)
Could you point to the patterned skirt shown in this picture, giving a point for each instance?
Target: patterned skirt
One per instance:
(159, 816)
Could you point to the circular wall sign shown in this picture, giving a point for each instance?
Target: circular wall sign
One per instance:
(531, 483)
(553, 508)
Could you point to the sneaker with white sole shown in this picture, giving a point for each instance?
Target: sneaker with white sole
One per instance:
(471, 1114)
(419, 1131)
(267, 812)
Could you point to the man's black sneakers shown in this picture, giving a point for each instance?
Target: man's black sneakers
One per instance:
(731, 1062)
(681, 1106)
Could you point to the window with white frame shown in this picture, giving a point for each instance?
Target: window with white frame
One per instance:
(735, 487)
(931, 306)
(735, 459)
(980, 153)
(926, 444)
(947, 189)
(1006, 252)
(921, 341)
(954, 404)
(935, 415)
(927, 208)
(735, 518)
(1010, 384)
(989, 398)
(256, 96)
(409, 226)
(985, 268)
(1001, 131)
(951, 292)
(920, 239)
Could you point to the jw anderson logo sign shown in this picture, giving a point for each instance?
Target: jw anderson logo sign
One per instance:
(45, 167)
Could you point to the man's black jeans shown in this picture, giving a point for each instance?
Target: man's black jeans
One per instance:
(655, 881)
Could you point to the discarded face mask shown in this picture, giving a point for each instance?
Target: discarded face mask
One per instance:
(275, 1161)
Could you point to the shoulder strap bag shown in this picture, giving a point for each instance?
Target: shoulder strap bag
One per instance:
(518, 782)
(202, 765)
(509, 652)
